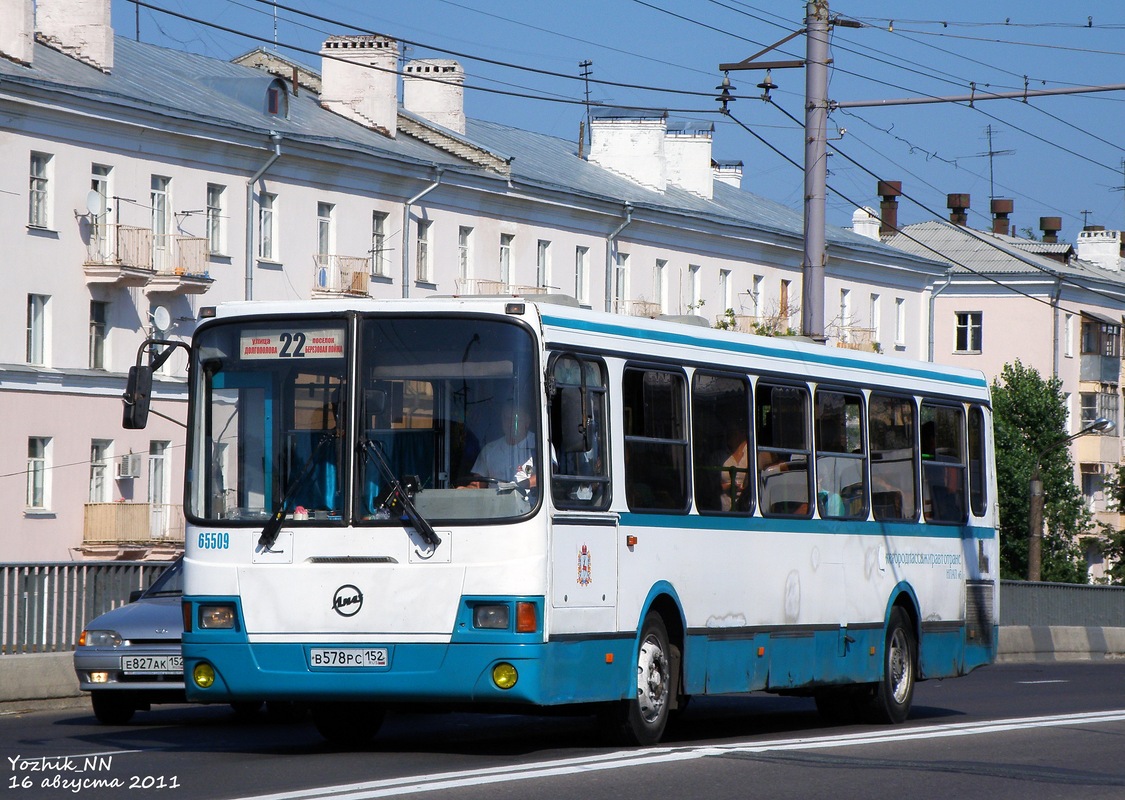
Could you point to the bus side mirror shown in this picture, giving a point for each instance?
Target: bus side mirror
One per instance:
(138, 394)
(575, 435)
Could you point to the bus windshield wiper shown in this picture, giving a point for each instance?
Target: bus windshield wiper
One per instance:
(273, 526)
(424, 528)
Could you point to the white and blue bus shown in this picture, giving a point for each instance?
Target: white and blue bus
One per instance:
(506, 502)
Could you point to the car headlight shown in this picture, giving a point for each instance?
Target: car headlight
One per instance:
(100, 639)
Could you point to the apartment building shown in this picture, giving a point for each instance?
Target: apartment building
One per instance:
(141, 184)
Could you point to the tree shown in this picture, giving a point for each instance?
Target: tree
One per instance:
(1029, 415)
(1111, 542)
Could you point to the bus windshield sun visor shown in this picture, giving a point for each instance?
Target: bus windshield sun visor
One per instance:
(273, 526)
(401, 495)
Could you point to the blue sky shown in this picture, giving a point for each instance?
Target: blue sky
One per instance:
(1054, 156)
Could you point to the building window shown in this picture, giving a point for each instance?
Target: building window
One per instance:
(98, 315)
(660, 285)
(277, 99)
(695, 289)
(1100, 338)
(161, 205)
(159, 488)
(37, 329)
(38, 197)
(99, 248)
(725, 290)
(581, 274)
(783, 312)
(99, 471)
(873, 320)
(543, 264)
(756, 295)
(379, 255)
(325, 230)
(900, 322)
(464, 253)
(968, 332)
(621, 283)
(1099, 404)
(506, 240)
(267, 226)
(423, 258)
(1068, 335)
(216, 230)
(38, 454)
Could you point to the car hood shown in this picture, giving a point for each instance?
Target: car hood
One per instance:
(148, 619)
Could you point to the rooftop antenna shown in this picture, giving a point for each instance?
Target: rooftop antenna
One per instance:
(992, 154)
(275, 24)
(1085, 218)
(585, 65)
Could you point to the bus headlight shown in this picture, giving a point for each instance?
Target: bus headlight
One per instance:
(504, 675)
(216, 617)
(203, 675)
(491, 615)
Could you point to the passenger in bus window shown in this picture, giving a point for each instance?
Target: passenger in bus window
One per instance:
(733, 478)
(510, 457)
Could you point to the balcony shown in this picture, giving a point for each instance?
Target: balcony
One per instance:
(481, 286)
(1094, 367)
(852, 338)
(180, 264)
(117, 524)
(335, 275)
(119, 255)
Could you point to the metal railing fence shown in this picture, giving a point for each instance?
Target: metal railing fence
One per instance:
(1073, 604)
(43, 607)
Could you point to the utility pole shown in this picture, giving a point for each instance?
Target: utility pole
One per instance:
(816, 170)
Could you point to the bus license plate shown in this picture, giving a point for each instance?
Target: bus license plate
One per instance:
(348, 657)
(152, 665)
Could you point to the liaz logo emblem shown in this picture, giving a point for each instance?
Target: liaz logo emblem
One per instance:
(585, 568)
(347, 601)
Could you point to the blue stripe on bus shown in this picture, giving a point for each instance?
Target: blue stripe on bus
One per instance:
(819, 526)
(890, 367)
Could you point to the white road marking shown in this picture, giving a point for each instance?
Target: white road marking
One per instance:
(1040, 683)
(416, 784)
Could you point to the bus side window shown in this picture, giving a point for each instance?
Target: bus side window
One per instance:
(656, 444)
(841, 457)
(891, 433)
(943, 463)
(782, 437)
(978, 491)
(579, 462)
(720, 434)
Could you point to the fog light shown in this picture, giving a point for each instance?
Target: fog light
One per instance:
(99, 677)
(203, 675)
(504, 675)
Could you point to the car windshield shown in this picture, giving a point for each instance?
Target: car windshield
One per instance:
(170, 582)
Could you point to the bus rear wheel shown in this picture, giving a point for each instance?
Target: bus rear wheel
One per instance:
(348, 724)
(641, 719)
(893, 694)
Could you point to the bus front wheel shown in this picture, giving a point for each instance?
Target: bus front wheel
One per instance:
(895, 691)
(348, 724)
(641, 719)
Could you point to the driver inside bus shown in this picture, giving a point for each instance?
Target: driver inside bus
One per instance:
(509, 458)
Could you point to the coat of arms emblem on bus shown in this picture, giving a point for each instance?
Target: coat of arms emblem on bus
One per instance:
(585, 578)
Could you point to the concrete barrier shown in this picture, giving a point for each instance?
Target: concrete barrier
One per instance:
(47, 679)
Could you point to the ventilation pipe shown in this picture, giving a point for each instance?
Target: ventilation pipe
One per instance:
(1050, 227)
(1001, 209)
(888, 208)
(275, 137)
(406, 229)
(958, 205)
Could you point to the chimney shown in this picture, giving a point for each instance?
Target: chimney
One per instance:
(888, 208)
(434, 89)
(728, 172)
(1101, 247)
(687, 156)
(1001, 208)
(17, 30)
(1050, 227)
(631, 143)
(958, 205)
(866, 223)
(360, 81)
(80, 29)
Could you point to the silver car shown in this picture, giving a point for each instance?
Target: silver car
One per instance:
(130, 657)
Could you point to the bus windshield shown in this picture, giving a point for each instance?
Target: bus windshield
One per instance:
(445, 411)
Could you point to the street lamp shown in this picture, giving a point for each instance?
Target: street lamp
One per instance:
(1035, 513)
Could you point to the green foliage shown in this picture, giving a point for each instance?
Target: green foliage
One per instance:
(1030, 417)
(1111, 542)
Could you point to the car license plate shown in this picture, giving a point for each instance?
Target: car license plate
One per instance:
(348, 657)
(152, 665)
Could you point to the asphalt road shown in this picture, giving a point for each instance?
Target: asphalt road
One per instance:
(1027, 731)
